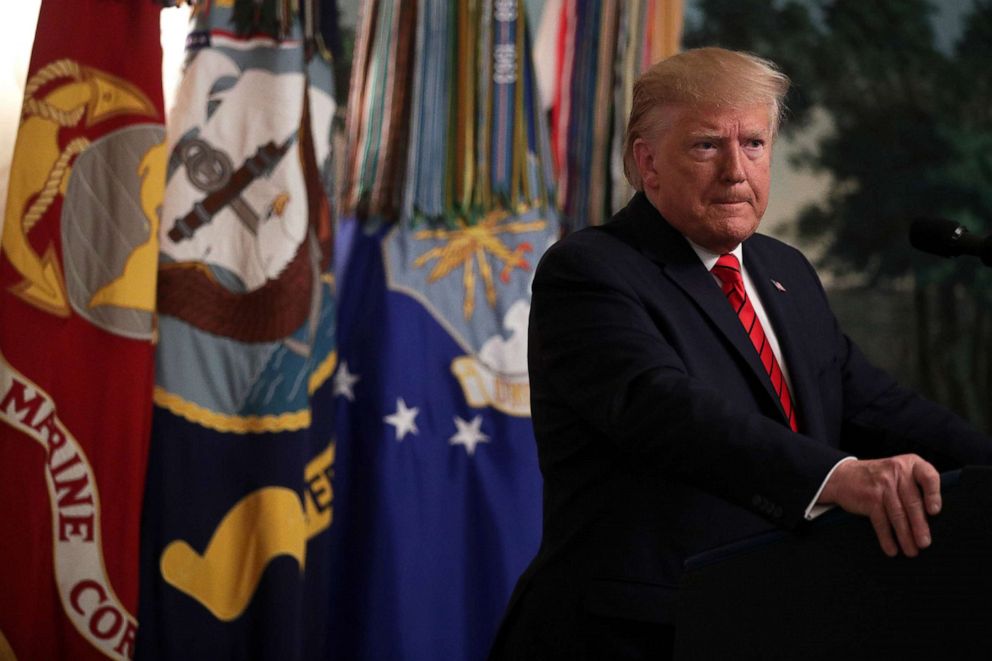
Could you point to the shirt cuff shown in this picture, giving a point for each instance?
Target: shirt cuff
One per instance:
(815, 510)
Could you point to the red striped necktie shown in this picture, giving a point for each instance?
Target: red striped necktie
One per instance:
(728, 271)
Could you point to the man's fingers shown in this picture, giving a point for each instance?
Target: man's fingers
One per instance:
(884, 532)
(925, 478)
(896, 493)
(899, 521)
(912, 504)
(929, 480)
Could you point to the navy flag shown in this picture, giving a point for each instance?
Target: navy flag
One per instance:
(238, 499)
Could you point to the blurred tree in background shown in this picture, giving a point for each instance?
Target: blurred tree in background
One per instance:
(911, 136)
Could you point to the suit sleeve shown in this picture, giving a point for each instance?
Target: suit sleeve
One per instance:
(882, 418)
(595, 344)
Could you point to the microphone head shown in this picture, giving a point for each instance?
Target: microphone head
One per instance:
(938, 236)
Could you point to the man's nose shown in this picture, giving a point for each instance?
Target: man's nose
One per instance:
(733, 166)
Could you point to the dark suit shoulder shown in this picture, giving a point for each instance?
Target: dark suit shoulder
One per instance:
(631, 237)
(773, 246)
(592, 248)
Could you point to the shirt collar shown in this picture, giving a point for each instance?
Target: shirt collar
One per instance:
(709, 258)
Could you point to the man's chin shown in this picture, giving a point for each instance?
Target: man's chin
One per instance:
(728, 233)
(739, 213)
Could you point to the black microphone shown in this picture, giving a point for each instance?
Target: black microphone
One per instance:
(939, 236)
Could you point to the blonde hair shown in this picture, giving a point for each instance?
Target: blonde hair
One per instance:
(700, 77)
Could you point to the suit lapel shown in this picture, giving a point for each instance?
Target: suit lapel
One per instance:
(664, 245)
(784, 316)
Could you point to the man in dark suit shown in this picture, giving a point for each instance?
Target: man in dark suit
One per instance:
(690, 385)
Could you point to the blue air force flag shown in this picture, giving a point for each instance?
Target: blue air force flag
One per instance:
(437, 488)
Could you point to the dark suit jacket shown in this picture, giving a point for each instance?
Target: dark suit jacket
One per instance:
(658, 432)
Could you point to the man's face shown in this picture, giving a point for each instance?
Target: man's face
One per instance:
(707, 172)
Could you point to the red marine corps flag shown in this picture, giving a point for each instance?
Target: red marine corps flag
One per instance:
(77, 296)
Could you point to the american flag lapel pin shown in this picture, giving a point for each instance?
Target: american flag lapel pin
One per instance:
(778, 285)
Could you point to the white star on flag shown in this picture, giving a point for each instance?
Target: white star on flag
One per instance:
(469, 434)
(404, 420)
(344, 382)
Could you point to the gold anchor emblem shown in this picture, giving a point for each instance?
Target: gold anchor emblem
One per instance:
(41, 167)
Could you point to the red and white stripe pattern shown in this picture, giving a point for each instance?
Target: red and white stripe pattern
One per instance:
(728, 271)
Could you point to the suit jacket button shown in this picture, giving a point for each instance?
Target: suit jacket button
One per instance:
(777, 512)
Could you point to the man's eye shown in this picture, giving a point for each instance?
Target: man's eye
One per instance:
(755, 144)
(704, 144)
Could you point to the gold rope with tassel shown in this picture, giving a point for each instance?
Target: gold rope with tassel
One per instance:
(519, 184)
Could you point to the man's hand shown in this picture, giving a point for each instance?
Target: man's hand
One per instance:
(892, 492)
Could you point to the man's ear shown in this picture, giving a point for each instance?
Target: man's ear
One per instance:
(644, 159)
